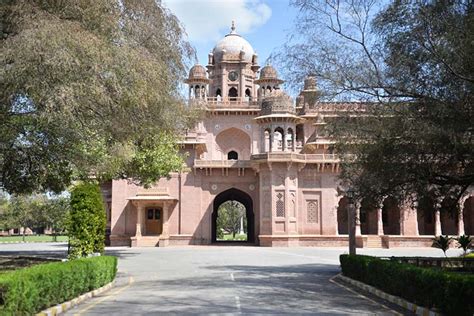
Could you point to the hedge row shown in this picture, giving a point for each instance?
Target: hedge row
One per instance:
(30, 290)
(452, 293)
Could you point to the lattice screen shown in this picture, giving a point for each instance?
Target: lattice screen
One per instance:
(280, 205)
(312, 211)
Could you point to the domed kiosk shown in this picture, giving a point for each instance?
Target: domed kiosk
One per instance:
(232, 69)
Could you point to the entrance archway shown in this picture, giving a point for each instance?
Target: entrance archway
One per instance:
(239, 196)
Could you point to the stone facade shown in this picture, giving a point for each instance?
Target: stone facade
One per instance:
(257, 147)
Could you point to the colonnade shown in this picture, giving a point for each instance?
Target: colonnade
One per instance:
(271, 141)
(408, 225)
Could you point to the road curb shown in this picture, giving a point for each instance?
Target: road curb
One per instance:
(419, 310)
(61, 308)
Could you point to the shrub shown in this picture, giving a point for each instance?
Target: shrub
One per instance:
(450, 292)
(87, 221)
(30, 290)
(442, 242)
(465, 242)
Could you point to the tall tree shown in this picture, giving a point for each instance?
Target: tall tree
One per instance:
(413, 63)
(23, 212)
(89, 87)
(229, 217)
(56, 211)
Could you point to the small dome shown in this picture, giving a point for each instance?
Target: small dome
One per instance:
(233, 44)
(197, 72)
(268, 72)
(277, 102)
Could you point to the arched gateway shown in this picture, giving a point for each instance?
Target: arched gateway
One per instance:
(239, 196)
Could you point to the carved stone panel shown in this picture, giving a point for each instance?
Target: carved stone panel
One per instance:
(280, 203)
(292, 205)
(267, 205)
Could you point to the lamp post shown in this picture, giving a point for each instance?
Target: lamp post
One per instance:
(351, 221)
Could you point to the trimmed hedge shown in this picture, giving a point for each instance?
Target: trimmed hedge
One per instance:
(87, 221)
(30, 290)
(452, 293)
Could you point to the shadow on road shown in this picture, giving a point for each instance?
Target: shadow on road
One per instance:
(293, 289)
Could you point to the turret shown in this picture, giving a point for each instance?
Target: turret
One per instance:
(268, 81)
(197, 82)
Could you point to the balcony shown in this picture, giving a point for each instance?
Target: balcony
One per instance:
(294, 157)
(226, 103)
(222, 163)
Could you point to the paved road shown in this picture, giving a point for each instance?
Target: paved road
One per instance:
(227, 280)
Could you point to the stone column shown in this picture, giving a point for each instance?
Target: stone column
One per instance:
(224, 84)
(357, 218)
(165, 231)
(461, 218)
(438, 231)
(408, 219)
(270, 140)
(140, 214)
(380, 220)
(294, 140)
(283, 140)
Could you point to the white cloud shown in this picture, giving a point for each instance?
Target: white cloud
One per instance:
(210, 20)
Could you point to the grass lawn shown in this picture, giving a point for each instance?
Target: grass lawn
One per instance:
(228, 237)
(32, 238)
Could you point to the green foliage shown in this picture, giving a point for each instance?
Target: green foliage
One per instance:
(89, 86)
(229, 218)
(442, 242)
(28, 291)
(87, 221)
(450, 292)
(23, 212)
(413, 62)
(34, 211)
(465, 242)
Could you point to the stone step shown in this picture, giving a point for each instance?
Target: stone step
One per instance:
(148, 241)
(374, 242)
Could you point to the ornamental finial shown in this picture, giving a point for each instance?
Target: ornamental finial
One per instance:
(232, 28)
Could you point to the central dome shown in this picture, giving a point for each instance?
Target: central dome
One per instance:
(233, 44)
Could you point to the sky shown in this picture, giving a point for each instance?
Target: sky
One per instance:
(264, 23)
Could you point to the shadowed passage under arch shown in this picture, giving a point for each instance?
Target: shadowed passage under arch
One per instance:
(239, 196)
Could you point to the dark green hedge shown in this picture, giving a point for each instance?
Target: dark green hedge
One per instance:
(452, 293)
(30, 290)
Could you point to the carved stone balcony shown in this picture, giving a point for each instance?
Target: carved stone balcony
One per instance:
(226, 103)
(294, 157)
(222, 163)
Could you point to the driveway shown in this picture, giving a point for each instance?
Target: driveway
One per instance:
(228, 280)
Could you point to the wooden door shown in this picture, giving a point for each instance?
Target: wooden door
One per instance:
(153, 222)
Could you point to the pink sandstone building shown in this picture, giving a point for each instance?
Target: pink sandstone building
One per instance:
(257, 147)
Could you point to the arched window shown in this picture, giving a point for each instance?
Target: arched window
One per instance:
(232, 155)
(233, 93)
(299, 135)
(289, 139)
(266, 136)
(278, 138)
(218, 93)
(248, 94)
